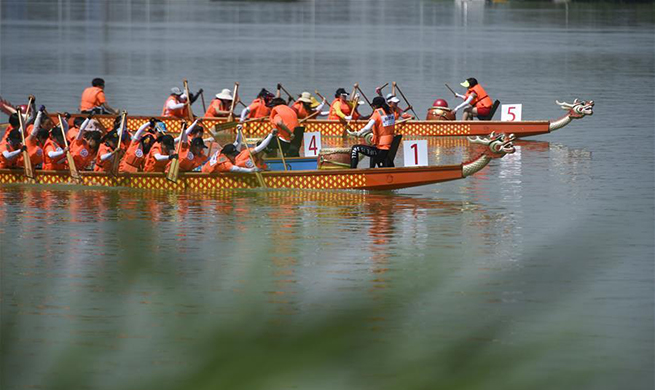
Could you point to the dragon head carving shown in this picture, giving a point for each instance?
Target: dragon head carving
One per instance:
(578, 109)
(497, 145)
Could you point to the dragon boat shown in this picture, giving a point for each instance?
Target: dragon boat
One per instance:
(421, 128)
(495, 146)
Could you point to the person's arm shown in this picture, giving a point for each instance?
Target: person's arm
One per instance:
(339, 113)
(171, 105)
(235, 168)
(239, 139)
(106, 156)
(244, 113)
(12, 155)
(364, 130)
(320, 107)
(139, 133)
(55, 154)
(265, 142)
(37, 125)
(466, 103)
(64, 125)
(193, 98)
(161, 157)
(83, 128)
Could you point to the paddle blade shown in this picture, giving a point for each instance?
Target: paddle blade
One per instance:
(225, 126)
(173, 170)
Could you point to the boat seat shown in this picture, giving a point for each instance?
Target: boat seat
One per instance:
(386, 161)
(491, 113)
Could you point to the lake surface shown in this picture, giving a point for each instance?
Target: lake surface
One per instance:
(536, 273)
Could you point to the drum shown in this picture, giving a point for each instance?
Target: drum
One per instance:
(334, 158)
(440, 114)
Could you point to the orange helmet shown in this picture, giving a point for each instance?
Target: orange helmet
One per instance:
(440, 103)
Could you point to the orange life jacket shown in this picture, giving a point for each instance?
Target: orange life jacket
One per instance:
(300, 110)
(82, 153)
(258, 109)
(72, 133)
(383, 129)
(152, 164)
(482, 99)
(180, 113)
(188, 160)
(243, 159)
(288, 117)
(57, 163)
(104, 166)
(34, 150)
(134, 159)
(92, 97)
(216, 105)
(345, 107)
(217, 163)
(16, 162)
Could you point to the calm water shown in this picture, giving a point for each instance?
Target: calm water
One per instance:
(536, 273)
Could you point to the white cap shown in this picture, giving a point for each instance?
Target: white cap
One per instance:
(176, 91)
(391, 98)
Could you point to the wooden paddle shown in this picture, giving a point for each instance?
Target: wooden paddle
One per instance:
(235, 97)
(393, 88)
(27, 163)
(279, 86)
(260, 178)
(202, 97)
(378, 90)
(365, 98)
(69, 157)
(174, 166)
(279, 143)
(406, 101)
(118, 152)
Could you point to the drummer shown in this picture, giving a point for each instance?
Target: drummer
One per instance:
(285, 120)
(398, 112)
(382, 124)
(93, 99)
(220, 106)
(476, 100)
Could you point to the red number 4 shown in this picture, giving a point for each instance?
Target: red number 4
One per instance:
(312, 145)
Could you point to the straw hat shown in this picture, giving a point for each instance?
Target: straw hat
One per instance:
(225, 94)
(305, 97)
(315, 103)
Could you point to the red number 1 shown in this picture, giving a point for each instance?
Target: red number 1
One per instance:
(415, 147)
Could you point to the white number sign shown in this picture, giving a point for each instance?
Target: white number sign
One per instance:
(511, 112)
(312, 143)
(415, 153)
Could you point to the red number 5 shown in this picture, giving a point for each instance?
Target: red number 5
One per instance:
(509, 112)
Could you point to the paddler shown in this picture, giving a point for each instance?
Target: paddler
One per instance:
(107, 152)
(36, 139)
(307, 105)
(259, 108)
(176, 103)
(225, 161)
(54, 150)
(84, 147)
(392, 101)
(93, 99)
(285, 120)
(160, 154)
(220, 106)
(476, 101)
(139, 147)
(382, 124)
(192, 153)
(11, 149)
(244, 160)
(341, 108)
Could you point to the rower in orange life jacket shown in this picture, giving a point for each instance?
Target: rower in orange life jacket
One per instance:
(244, 160)
(160, 154)
(93, 99)
(285, 120)
(54, 151)
(306, 105)
(139, 147)
(382, 124)
(11, 150)
(192, 153)
(341, 108)
(259, 108)
(107, 152)
(398, 112)
(176, 103)
(84, 147)
(476, 101)
(36, 138)
(220, 106)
